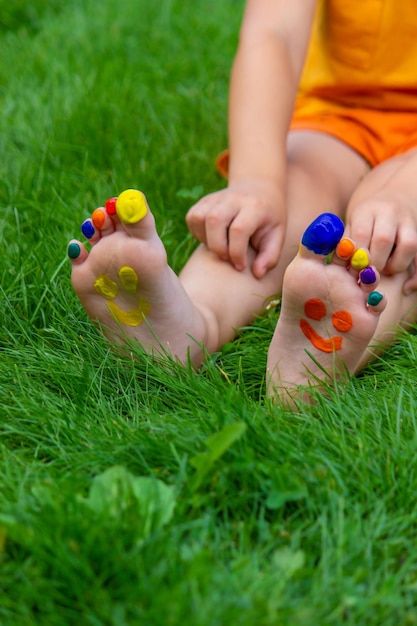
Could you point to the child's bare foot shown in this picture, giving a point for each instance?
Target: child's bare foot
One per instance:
(126, 285)
(329, 311)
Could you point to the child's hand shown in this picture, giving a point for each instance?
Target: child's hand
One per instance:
(243, 214)
(387, 226)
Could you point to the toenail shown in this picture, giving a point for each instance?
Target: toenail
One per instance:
(88, 229)
(98, 218)
(359, 260)
(111, 206)
(367, 276)
(323, 235)
(374, 298)
(131, 206)
(73, 250)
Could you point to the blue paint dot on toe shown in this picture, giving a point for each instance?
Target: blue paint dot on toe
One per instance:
(323, 235)
(87, 229)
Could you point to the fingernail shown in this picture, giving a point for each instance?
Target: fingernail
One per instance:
(98, 218)
(367, 276)
(73, 250)
(87, 229)
(323, 235)
(374, 298)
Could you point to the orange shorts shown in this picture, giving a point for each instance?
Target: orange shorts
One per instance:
(375, 134)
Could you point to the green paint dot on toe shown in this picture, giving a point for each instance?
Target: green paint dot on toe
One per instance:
(74, 250)
(374, 298)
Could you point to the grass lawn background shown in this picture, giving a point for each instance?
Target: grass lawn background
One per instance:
(134, 492)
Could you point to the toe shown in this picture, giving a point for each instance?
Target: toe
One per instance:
(322, 236)
(134, 214)
(131, 206)
(369, 278)
(102, 222)
(376, 302)
(89, 231)
(77, 252)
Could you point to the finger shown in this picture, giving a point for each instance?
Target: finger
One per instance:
(196, 224)
(404, 252)
(240, 231)
(269, 248)
(410, 284)
(217, 226)
(360, 230)
(383, 240)
(197, 215)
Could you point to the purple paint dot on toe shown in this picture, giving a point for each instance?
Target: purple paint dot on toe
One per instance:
(87, 229)
(323, 235)
(367, 276)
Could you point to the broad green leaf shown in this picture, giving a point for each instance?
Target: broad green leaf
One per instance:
(217, 445)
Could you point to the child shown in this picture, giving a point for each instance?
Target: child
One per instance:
(339, 135)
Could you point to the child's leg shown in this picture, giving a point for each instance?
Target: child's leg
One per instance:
(210, 299)
(307, 346)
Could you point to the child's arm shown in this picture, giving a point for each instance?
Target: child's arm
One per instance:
(265, 76)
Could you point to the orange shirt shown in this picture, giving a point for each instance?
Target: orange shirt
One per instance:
(364, 53)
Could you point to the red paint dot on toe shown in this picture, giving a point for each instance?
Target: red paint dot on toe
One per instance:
(342, 321)
(315, 309)
(111, 206)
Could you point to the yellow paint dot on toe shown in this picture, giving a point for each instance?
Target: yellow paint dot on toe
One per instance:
(106, 287)
(129, 279)
(133, 317)
(131, 206)
(360, 259)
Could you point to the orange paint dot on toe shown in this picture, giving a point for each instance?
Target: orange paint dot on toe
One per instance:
(342, 321)
(98, 218)
(315, 309)
(345, 248)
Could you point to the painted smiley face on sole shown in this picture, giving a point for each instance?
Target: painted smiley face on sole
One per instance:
(109, 289)
(315, 309)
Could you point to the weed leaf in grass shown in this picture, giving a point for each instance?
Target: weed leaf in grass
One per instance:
(217, 445)
(117, 490)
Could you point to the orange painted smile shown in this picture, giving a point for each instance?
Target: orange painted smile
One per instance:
(315, 309)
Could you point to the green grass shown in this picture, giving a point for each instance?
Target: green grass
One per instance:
(135, 492)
